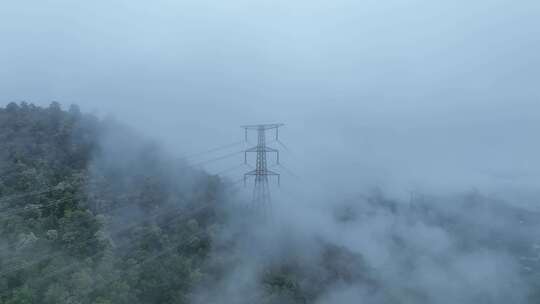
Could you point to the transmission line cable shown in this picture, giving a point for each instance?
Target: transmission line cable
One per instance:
(230, 169)
(20, 195)
(53, 188)
(219, 148)
(33, 207)
(289, 171)
(213, 160)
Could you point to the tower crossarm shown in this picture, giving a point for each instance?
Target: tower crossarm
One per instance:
(267, 173)
(264, 173)
(263, 126)
(261, 149)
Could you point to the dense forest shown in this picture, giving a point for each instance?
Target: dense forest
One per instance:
(79, 225)
(91, 212)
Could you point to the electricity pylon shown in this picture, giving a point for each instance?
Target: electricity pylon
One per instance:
(261, 192)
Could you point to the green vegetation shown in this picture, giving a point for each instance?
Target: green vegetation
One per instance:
(99, 233)
(90, 213)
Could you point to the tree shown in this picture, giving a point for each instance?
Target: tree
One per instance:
(78, 233)
(23, 295)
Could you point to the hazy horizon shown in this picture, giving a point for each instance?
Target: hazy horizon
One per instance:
(405, 95)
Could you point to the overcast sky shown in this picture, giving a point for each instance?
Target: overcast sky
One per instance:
(425, 94)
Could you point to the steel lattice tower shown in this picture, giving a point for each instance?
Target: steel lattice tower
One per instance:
(261, 192)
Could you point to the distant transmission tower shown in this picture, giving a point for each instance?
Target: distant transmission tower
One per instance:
(261, 192)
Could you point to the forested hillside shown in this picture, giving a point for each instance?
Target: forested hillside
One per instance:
(79, 224)
(93, 213)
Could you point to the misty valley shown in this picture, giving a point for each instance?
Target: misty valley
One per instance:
(92, 212)
(269, 152)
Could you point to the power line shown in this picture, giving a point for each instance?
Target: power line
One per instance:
(53, 188)
(289, 171)
(50, 189)
(213, 160)
(37, 192)
(33, 207)
(283, 145)
(212, 150)
(42, 191)
(230, 169)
